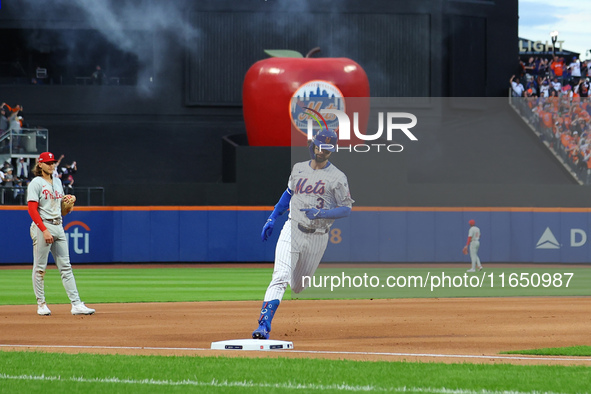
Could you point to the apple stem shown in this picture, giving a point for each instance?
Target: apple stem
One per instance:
(313, 51)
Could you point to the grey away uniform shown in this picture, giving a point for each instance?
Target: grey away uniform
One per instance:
(49, 198)
(474, 237)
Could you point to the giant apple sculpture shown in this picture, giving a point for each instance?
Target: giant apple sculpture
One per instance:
(270, 85)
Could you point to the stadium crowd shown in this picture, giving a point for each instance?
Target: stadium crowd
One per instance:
(16, 172)
(557, 104)
(14, 179)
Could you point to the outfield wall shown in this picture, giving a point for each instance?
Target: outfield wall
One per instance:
(232, 234)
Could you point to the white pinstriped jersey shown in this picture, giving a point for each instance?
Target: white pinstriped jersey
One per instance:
(298, 253)
(325, 188)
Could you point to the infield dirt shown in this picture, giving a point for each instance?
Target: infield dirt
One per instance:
(442, 330)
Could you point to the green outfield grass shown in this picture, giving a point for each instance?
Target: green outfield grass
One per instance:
(87, 373)
(141, 285)
(106, 285)
(575, 351)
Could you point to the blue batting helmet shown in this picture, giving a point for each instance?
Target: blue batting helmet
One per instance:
(326, 140)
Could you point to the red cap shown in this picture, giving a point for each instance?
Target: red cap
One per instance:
(46, 157)
(471, 222)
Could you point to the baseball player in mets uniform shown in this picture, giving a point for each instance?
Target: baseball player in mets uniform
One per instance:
(473, 244)
(44, 196)
(316, 195)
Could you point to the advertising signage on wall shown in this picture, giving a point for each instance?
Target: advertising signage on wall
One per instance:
(543, 48)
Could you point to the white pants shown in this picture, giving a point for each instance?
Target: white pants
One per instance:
(61, 255)
(297, 254)
(474, 246)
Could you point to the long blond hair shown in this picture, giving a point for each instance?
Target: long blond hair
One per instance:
(37, 171)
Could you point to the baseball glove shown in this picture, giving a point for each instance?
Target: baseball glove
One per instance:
(465, 250)
(68, 204)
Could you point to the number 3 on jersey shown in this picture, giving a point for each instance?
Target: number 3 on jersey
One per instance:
(320, 203)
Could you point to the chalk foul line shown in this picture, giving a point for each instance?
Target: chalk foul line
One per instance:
(251, 384)
(419, 355)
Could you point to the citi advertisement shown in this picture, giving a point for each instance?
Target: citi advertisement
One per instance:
(79, 246)
(90, 236)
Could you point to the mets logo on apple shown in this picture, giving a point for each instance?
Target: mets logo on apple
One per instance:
(307, 102)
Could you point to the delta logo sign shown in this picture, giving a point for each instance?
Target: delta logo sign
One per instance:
(78, 236)
(578, 238)
(319, 105)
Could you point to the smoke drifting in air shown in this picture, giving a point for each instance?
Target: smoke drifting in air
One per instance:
(134, 27)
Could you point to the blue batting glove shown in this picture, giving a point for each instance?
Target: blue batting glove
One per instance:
(313, 213)
(267, 229)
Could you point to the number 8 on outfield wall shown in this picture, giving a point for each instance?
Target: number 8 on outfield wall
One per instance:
(335, 236)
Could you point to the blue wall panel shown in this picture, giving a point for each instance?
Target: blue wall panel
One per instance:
(365, 236)
(522, 236)
(448, 236)
(164, 236)
(136, 236)
(248, 242)
(393, 246)
(223, 232)
(15, 239)
(420, 228)
(117, 222)
(194, 236)
(209, 235)
(497, 237)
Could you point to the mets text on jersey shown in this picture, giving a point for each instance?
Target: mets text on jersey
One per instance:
(301, 187)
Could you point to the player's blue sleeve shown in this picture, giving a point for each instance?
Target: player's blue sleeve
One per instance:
(335, 213)
(282, 205)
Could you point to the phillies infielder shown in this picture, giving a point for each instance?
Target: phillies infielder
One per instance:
(473, 243)
(317, 194)
(44, 196)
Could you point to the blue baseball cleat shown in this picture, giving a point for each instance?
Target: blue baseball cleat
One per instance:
(262, 332)
(267, 312)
